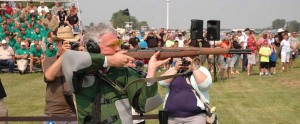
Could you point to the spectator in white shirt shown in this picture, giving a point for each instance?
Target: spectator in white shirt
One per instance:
(42, 7)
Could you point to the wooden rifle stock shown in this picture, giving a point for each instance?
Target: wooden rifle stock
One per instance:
(173, 52)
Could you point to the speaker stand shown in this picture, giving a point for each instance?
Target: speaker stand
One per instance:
(215, 67)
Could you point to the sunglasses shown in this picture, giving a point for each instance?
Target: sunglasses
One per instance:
(116, 43)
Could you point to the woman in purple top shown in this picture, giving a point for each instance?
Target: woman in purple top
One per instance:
(181, 101)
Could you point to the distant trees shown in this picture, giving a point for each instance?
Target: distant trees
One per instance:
(291, 26)
(278, 23)
(118, 20)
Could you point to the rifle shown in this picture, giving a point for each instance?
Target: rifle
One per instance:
(171, 52)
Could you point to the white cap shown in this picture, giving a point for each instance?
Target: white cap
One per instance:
(23, 43)
(3, 42)
(280, 30)
(32, 11)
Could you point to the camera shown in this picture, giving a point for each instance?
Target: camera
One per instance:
(74, 46)
(185, 62)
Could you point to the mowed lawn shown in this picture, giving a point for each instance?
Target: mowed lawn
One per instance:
(241, 100)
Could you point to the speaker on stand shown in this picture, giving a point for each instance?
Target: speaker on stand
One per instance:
(196, 32)
(213, 33)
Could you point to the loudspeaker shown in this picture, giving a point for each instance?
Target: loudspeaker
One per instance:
(196, 29)
(213, 30)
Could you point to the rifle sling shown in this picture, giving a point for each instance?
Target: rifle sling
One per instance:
(153, 80)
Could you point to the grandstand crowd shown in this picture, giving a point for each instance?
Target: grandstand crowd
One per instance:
(26, 32)
(26, 37)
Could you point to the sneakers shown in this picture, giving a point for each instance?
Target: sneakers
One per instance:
(261, 74)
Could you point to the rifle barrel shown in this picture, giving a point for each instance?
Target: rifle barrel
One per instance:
(173, 52)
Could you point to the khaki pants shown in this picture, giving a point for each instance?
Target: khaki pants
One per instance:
(3, 111)
(22, 64)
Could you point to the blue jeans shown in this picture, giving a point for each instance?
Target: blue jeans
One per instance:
(245, 62)
(76, 28)
(10, 64)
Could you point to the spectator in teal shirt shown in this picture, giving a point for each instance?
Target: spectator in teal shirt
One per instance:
(4, 16)
(11, 25)
(12, 41)
(50, 51)
(22, 58)
(39, 24)
(37, 35)
(36, 56)
(45, 31)
(32, 17)
(23, 34)
(29, 30)
(18, 44)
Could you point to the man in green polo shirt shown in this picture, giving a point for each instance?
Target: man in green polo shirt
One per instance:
(50, 51)
(45, 31)
(23, 34)
(12, 41)
(22, 58)
(37, 35)
(36, 56)
(11, 25)
(5, 34)
(29, 30)
(18, 44)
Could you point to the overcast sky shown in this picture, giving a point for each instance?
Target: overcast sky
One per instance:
(232, 13)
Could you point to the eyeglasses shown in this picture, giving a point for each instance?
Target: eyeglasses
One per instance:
(115, 44)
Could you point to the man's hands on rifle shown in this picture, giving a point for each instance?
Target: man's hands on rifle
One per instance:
(154, 64)
(119, 59)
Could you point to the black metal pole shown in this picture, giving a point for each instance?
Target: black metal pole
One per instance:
(215, 68)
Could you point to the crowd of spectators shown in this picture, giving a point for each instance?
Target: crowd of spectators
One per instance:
(265, 48)
(26, 31)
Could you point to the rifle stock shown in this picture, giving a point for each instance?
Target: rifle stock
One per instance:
(171, 52)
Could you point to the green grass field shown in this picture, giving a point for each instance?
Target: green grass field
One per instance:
(241, 100)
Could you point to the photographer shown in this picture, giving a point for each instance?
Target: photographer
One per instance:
(98, 80)
(58, 98)
(152, 38)
(181, 101)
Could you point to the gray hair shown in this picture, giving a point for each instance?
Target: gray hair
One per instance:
(96, 32)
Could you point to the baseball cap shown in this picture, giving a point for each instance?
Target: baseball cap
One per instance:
(3, 42)
(23, 43)
(32, 11)
(280, 30)
(42, 1)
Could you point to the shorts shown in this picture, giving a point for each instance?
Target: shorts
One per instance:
(264, 65)
(272, 64)
(234, 59)
(285, 56)
(294, 55)
(224, 62)
(251, 59)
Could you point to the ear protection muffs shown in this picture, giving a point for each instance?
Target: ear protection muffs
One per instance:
(92, 47)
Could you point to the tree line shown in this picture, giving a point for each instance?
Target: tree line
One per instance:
(291, 26)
